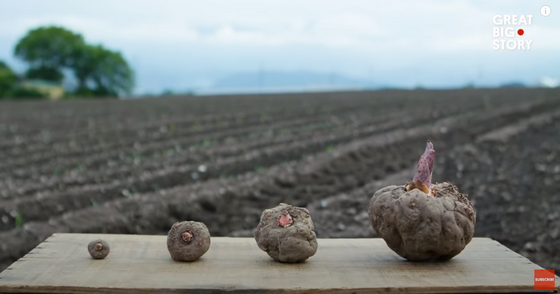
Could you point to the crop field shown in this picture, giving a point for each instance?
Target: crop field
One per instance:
(138, 166)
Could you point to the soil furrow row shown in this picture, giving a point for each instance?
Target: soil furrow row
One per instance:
(117, 129)
(35, 209)
(168, 135)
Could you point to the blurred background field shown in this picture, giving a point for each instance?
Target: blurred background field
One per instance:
(176, 110)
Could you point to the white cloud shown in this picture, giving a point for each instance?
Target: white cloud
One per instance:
(349, 35)
(352, 25)
(550, 82)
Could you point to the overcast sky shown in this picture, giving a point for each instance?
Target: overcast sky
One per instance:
(182, 45)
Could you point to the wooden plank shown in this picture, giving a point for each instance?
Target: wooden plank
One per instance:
(141, 264)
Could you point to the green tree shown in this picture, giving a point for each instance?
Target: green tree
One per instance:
(48, 50)
(9, 89)
(8, 79)
(45, 73)
(52, 50)
(19, 92)
(102, 72)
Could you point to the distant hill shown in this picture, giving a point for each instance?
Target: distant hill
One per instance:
(298, 80)
(513, 85)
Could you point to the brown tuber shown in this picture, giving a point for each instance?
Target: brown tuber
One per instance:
(286, 233)
(98, 249)
(421, 221)
(188, 240)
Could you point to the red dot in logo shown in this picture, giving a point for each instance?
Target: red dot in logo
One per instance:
(520, 32)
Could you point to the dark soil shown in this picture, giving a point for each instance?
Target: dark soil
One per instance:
(137, 167)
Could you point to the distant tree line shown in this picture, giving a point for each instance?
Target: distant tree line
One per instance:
(53, 52)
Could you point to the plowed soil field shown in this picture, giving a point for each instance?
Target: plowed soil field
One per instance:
(138, 166)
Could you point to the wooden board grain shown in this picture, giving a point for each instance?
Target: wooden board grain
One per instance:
(141, 264)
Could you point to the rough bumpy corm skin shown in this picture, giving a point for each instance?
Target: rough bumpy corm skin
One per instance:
(188, 240)
(295, 242)
(98, 249)
(421, 227)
